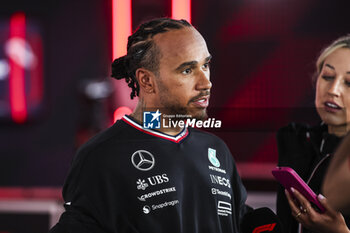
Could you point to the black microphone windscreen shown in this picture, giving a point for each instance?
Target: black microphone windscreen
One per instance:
(261, 220)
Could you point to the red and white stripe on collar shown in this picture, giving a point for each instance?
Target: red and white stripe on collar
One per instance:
(183, 134)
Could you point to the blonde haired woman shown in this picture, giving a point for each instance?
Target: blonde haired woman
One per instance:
(308, 150)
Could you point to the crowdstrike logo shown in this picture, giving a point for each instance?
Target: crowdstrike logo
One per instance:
(144, 197)
(143, 160)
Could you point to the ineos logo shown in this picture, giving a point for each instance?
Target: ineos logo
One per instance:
(143, 160)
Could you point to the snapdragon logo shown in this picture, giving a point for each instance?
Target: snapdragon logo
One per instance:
(146, 209)
(165, 204)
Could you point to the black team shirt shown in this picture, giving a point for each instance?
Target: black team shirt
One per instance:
(130, 179)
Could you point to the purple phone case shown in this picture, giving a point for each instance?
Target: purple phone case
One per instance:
(289, 178)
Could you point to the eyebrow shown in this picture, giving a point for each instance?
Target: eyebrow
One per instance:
(332, 67)
(191, 63)
(329, 66)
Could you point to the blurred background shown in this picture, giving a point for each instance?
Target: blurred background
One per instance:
(56, 91)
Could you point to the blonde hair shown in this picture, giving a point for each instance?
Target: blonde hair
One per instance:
(341, 42)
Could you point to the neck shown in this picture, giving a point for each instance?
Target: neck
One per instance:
(338, 130)
(137, 114)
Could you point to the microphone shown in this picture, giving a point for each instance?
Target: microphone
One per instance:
(261, 220)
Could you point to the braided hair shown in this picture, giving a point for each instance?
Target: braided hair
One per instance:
(143, 52)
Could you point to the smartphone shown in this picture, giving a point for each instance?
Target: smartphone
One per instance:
(290, 179)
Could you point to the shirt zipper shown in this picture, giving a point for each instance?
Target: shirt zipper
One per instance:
(312, 174)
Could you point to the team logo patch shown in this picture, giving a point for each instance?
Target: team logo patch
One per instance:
(216, 191)
(215, 179)
(146, 209)
(212, 157)
(224, 208)
(141, 184)
(151, 120)
(143, 160)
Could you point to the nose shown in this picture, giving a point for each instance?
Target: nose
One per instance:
(334, 89)
(203, 82)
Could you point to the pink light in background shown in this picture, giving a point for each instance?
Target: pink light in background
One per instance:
(121, 30)
(120, 112)
(121, 26)
(181, 9)
(17, 82)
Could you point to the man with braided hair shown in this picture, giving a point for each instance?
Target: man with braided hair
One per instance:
(177, 179)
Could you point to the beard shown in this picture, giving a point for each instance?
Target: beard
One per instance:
(181, 112)
(172, 106)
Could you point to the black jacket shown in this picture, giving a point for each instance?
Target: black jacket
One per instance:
(308, 151)
(131, 179)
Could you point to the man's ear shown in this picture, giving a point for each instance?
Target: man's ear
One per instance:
(145, 78)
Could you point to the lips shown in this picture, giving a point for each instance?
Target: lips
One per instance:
(201, 102)
(330, 106)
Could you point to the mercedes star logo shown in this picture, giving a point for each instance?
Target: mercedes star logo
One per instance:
(143, 160)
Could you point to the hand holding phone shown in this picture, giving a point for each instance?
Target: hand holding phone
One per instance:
(290, 179)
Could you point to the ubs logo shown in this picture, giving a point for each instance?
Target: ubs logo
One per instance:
(158, 179)
(143, 160)
(152, 181)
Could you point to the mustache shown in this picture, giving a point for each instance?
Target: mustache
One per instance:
(204, 93)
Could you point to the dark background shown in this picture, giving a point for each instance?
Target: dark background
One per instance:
(263, 59)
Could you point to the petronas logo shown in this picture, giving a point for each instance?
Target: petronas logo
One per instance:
(212, 157)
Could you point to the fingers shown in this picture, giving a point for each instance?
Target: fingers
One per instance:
(301, 207)
(325, 204)
(296, 212)
(302, 211)
(304, 203)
